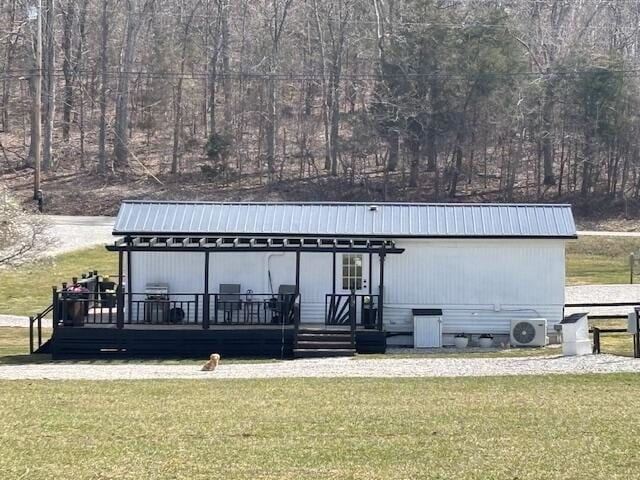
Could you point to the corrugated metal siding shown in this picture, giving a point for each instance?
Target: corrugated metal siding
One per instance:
(479, 284)
(476, 272)
(475, 319)
(358, 219)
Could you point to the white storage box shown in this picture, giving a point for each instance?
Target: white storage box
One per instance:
(427, 328)
(575, 335)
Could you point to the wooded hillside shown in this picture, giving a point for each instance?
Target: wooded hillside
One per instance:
(516, 99)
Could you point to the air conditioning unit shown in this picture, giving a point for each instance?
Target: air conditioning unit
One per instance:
(529, 332)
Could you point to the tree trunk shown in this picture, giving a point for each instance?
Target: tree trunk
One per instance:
(432, 153)
(325, 89)
(547, 133)
(226, 81)
(102, 136)
(393, 140)
(271, 127)
(457, 167)
(67, 16)
(121, 140)
(335, 107)
(78, 67)
(49, 85)
(6, 81)
(177, 110)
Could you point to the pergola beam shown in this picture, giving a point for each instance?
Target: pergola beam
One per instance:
(255, 244)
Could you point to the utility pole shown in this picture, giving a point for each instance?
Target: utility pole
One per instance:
(37, 100)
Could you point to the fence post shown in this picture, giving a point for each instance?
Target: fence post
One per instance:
(596, 340)
(636, 336)
(55, 313)
(631, 262)
(30, 334)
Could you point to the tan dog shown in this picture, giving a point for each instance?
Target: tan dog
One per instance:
(211, 365)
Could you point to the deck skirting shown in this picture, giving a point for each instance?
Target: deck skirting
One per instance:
(266, 342)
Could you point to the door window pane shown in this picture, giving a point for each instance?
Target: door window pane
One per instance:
(352, 271)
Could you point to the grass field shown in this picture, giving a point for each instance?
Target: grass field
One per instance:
(27, 290)
(599, 260)
(555, 427)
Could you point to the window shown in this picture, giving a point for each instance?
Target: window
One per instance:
(351, 272)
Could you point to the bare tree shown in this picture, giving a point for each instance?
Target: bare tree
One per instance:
(23, 234)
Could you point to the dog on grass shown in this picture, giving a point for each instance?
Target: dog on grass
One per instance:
(211, 365)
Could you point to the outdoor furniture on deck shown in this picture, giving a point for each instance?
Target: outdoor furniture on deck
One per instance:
(229, 300)
(282, 305)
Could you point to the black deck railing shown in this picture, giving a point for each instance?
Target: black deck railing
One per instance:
(353, 309)
(35, 329)
(80, 308)
(254, 309)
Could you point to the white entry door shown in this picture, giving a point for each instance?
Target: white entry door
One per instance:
(353, 273)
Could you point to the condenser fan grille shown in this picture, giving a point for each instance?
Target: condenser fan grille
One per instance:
(524, 332)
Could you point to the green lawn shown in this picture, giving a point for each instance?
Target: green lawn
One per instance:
(614, 343)
(598, 260)
(27, 290)
(553, 427)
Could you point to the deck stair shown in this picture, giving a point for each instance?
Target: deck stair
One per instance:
(320, 342)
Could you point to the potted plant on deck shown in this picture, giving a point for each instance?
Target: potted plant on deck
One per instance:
(75, 298)
(369, 313)
(461, 340)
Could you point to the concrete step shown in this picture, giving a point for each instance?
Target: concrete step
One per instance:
(323, 352)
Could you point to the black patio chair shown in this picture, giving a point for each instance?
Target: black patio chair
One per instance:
(229, 300)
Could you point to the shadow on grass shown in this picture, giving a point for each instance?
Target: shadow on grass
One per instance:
(39, 358)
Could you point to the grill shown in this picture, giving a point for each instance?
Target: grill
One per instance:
(156, 303)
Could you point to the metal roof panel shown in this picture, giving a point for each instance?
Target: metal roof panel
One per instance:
(401, 220)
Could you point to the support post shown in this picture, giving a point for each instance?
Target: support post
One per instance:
(120, 292)
(370, 273)
(383, 255)
(332, 304)
(129, 282)
(119, 307)
(205, 305)
(297, 272)
(333, 282)
(352, 318)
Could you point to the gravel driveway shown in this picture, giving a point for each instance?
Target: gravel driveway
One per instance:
(602, 294)
(74, 233)
(331, 367)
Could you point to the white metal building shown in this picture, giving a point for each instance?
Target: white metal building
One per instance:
(482, 265)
